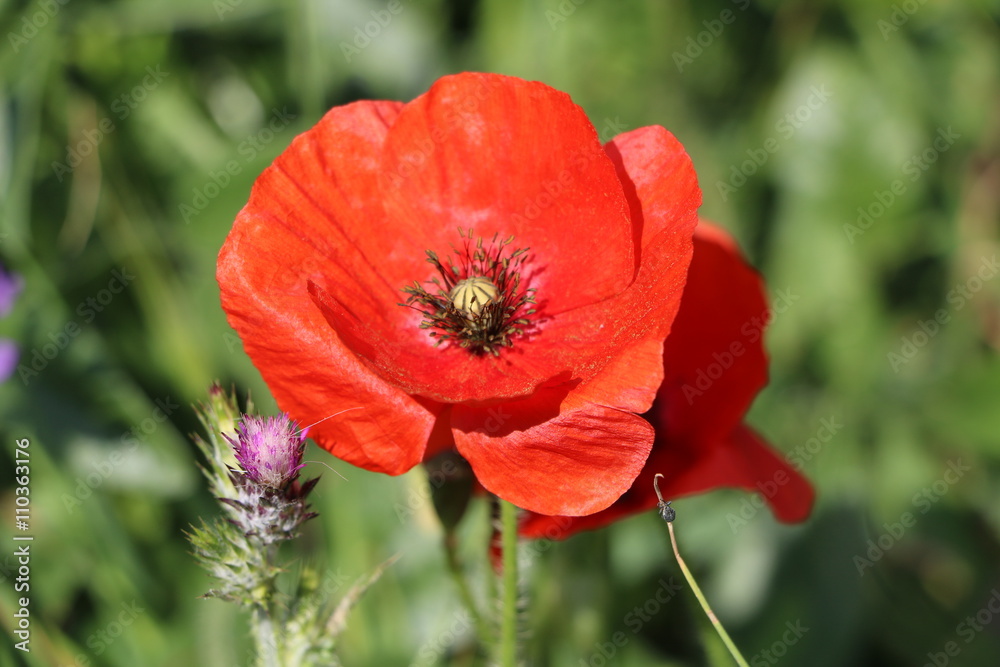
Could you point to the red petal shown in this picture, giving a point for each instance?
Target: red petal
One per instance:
(660, 184)
(742, 460)
(546, 458)
(700, 443)
(589, 423)
(303, 223)
(714, 358)
(663, 194)
(500, 155)
(662, 190)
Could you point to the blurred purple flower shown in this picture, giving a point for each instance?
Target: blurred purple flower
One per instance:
(10, 287)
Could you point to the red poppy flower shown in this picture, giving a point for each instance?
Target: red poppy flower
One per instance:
(531, 340)
(715, 364)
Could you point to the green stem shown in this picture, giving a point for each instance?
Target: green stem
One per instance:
(735, 652)
(508, 620)
(268, 653)
(267, 645)
(484, 632)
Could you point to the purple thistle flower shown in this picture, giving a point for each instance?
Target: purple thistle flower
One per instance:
(269, 449)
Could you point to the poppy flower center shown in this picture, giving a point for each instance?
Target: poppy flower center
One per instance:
(476, 301)
(472, 294)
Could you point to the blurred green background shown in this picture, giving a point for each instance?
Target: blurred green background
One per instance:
(852, 147)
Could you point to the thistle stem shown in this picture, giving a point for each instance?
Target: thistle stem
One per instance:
(508, 619)
(268, 652)
(666, 512)
(267, 645)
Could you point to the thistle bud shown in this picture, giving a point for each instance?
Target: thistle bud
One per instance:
(269, 450)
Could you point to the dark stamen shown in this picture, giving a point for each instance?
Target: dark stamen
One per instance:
(476, 303)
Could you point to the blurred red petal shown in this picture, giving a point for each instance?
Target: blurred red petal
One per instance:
(714, 359)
